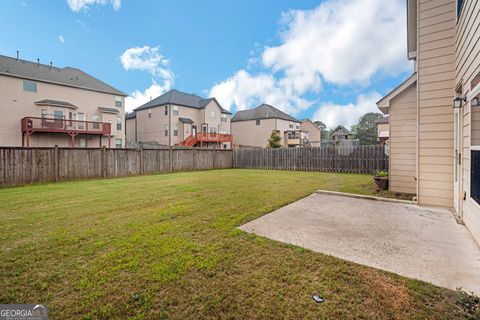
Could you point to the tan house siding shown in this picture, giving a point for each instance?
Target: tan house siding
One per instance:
(436, 56)
(403, 137)
(248, 134)
(467, 66)
(152, 128)
(16, 104)
(314, 132)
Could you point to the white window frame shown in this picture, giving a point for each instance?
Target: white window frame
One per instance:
(213, 114)
(473, 93)
(175, 130)
(175, 111)
(118, 99)
(116, 143)
(119, 122)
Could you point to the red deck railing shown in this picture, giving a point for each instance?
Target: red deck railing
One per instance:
(214, 137)
(44, 124)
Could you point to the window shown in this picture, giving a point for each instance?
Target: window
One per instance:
(297, 126)
(213, 130)
(459, 7)
(166, 110)
(58, 114)
(119, 123)
(43, 113)
(290, 125)
(224, 118)
(166, 130)
(475, 139)
(96, 120)
(257, 122)
(175, 110)
(118, 143)
(175, 130)
(212, 114)
(29, 86)
(118, 102)
(149, 113)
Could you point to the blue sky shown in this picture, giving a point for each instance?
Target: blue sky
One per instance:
(328, 60)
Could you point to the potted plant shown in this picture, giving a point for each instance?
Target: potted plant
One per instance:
(381, 180)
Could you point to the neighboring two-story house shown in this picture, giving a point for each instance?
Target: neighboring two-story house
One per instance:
(383, 130)
(253, 127)
(178, 118)
(45, 106)
(340, 134)
(313, 131)
(435, 113)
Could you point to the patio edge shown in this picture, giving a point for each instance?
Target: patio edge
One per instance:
(361, 196)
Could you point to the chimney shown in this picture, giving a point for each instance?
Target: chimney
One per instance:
(18, 54)
(51, 65)
(150, 98)
(38, 62)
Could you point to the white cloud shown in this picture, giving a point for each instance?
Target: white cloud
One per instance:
(244, 91)
(334, 114)
(61, 39)
(138, 98)
(147, 59)
(345, 43)
(78, 5)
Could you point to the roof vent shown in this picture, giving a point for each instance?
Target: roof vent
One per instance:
(38, 62)
(18, 54)
(51, 63)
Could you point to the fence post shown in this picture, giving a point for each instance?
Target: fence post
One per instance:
(214, 156)
(142, 162)
(194, 159)
(170, 156)
(104, 160)
(56, 165)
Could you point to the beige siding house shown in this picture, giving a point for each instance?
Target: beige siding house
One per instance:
(313, 133)
(252, 128)
(43, 106)
(178, 118)
(434, 143)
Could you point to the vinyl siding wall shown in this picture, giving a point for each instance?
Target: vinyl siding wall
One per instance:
(467, 66)
(403, 138)
(436, 56)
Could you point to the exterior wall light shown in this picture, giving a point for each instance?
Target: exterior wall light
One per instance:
(458, 102)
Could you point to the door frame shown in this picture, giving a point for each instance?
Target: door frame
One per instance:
(458, 169)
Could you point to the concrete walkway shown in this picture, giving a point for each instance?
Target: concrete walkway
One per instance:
(416, 242)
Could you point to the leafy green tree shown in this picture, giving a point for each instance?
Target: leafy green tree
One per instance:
(366, 128)
(274, 140)
(323, 129)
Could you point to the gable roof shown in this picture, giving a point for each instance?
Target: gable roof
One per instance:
(384, 103)
(180, 98)
(263, 111)
(340, 131)
(384, 120)
(66, 76)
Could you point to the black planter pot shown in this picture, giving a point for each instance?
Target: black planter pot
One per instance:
(381, 183)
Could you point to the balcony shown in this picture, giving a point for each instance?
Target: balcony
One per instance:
(49, 124)
(203, 137)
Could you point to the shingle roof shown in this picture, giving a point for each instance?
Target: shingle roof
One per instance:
(185, 120)
(263, 111)
(340, 131)
(57, 103)
(384, 120)
(130, 115)
(108, 110)
(65, 76)
(180, 98)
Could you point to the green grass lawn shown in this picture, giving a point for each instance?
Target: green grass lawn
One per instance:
(166, 246)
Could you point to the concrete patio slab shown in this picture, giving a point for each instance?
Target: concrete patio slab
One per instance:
(416, 242)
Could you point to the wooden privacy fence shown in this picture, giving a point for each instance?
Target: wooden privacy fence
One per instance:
(355, 159)
(20, 166)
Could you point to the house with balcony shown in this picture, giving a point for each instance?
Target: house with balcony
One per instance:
(435, 113)
(45, 106)
(252, 128)
(179, 118)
